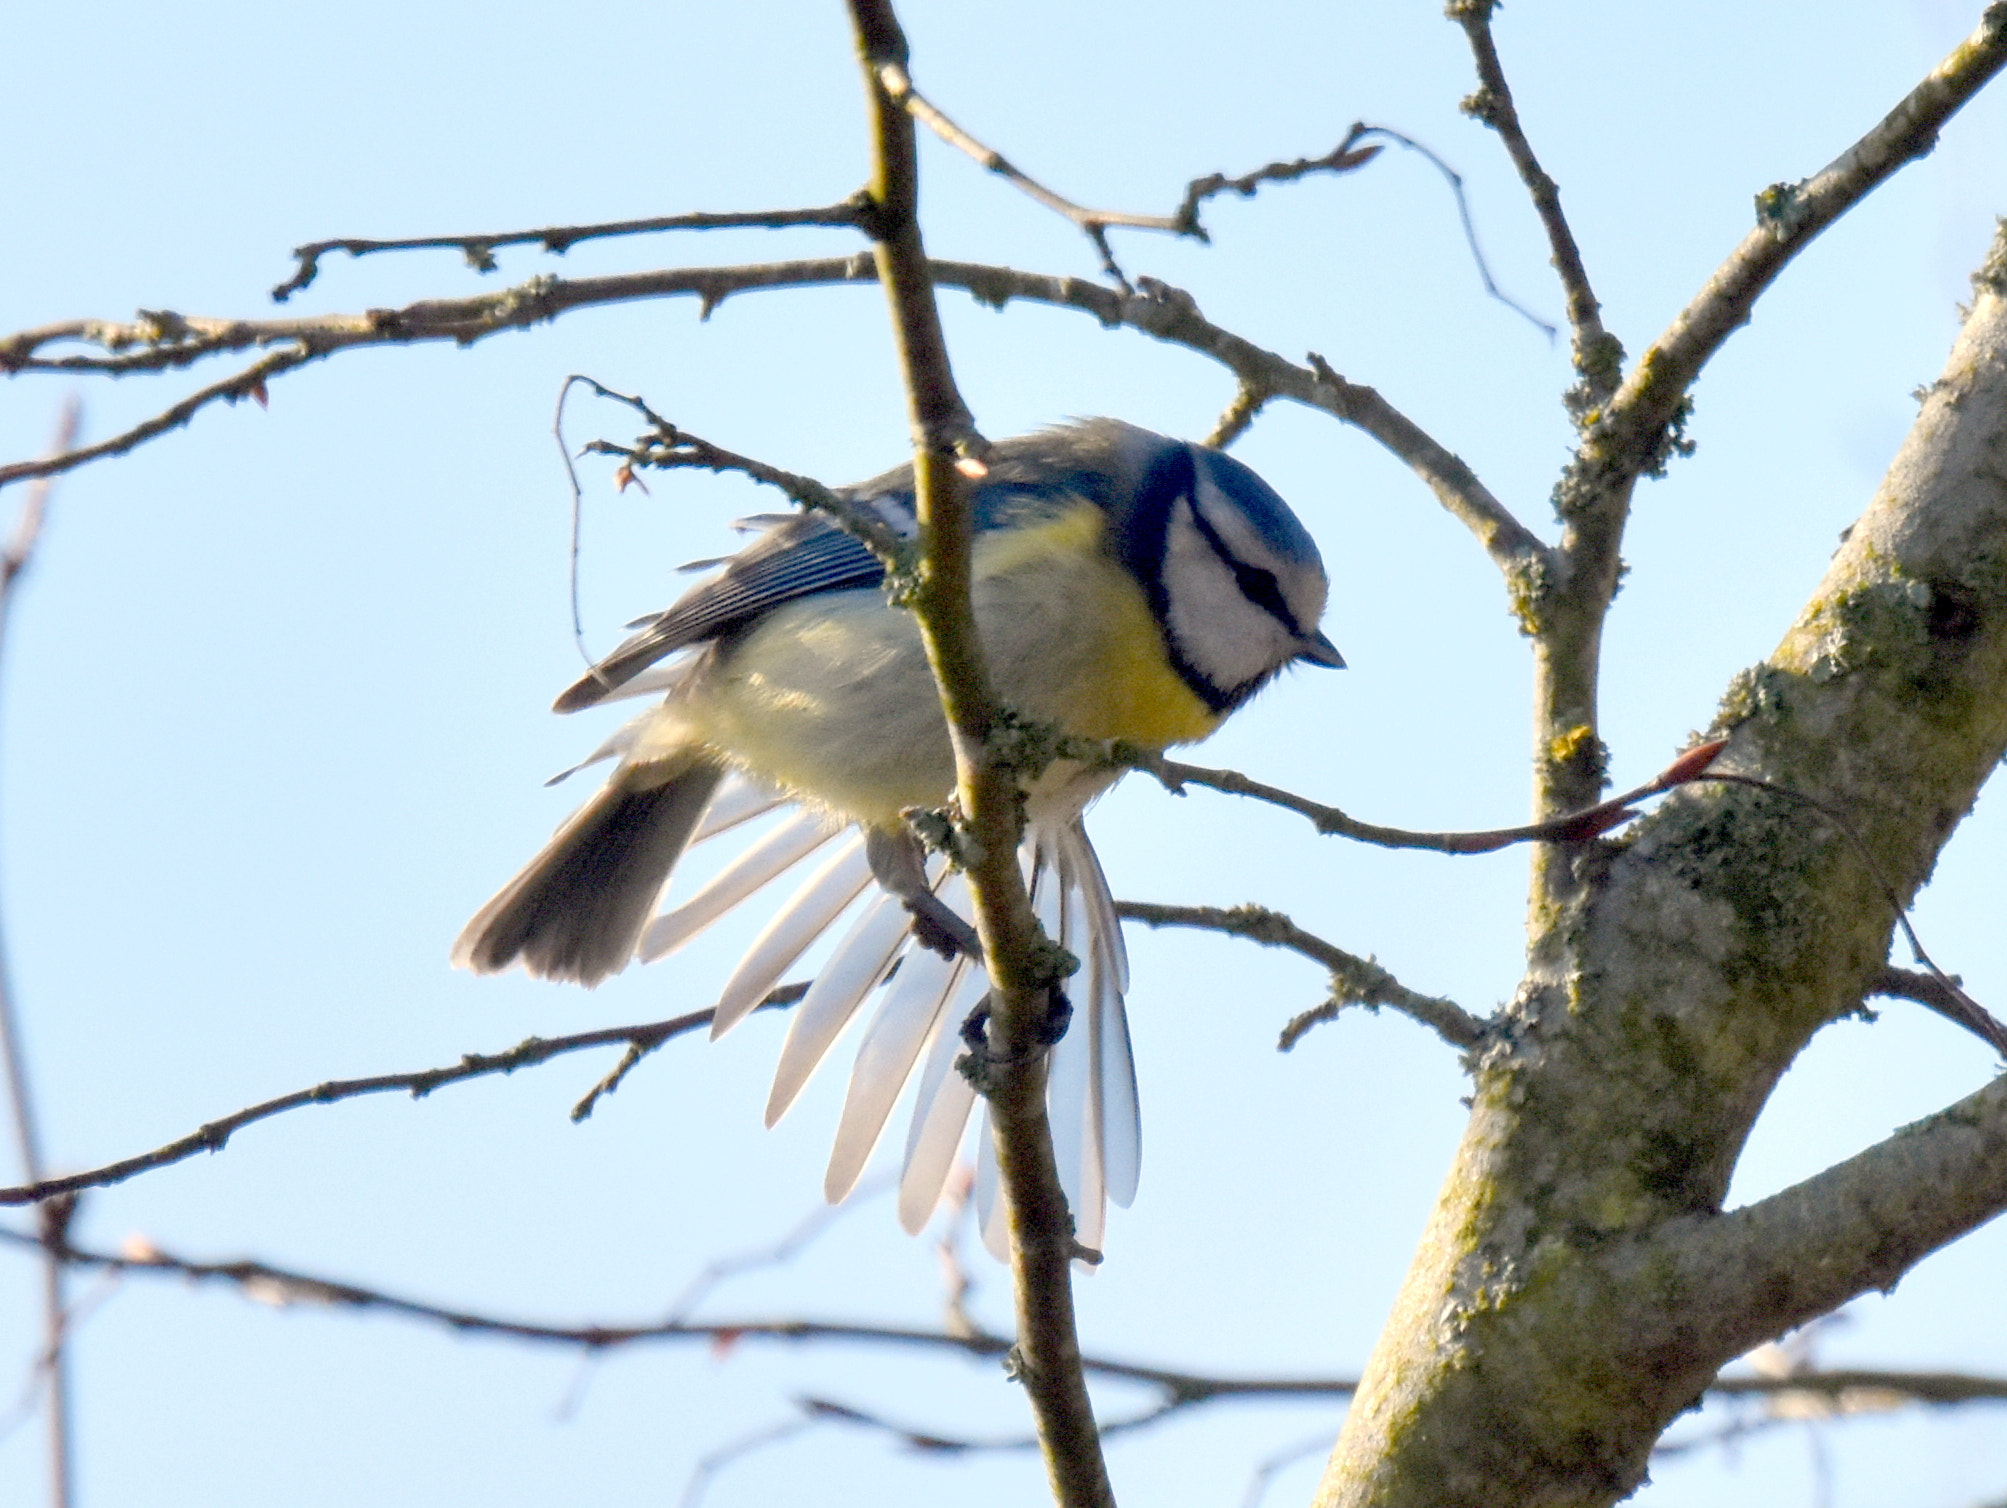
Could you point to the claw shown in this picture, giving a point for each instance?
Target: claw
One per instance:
(898, 863)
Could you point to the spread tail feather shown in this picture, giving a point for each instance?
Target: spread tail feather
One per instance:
(577, 910)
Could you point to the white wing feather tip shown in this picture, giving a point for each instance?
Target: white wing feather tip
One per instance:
(809, 912)
(904, 1025)
(767, 860)
(859, 962)
(1092, 1089)
(940, 1112)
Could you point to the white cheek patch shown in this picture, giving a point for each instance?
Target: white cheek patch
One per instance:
(1300, 581)
(1230, 641)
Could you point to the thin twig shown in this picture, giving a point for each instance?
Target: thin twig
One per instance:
(1571, 827)
(776, 1253)
(77, 1313)
(612, 1080)
(1455, 181)
(1527, 563)
(1806, 1393)
(266, 1283)
(778, 998)
(935, 1442)
(1265, 1470)
(957, 1282)
(479, 249)
(577, 520)
(284, 1287)
(1354, 980)
(1598, 357)
(712, 1462)
(669, 448)
(1834, 1392)
(1834, 1383)
(1239, 415)
(1632, 434)
(249, 383)
(526, 1054)
(1948, 999)
(1942, 992)
(1347, 156)
(163, 342)
(1020, 963)
(1093, 223)
(57, 1213)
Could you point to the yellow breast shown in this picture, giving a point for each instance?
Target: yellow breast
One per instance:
(1071, 639)
(830, 696)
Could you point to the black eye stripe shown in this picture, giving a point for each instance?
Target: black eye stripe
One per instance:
(1257, 585)
(1261, 588)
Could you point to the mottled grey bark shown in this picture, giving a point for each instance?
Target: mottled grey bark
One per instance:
(1578, 1285)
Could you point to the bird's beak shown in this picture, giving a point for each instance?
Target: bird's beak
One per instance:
(1319, 650)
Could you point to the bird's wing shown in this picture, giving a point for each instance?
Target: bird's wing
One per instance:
(822, 898)
(805, 555)
(918, 1021)
(1090, 1097)
(925, 999)
(801, 557)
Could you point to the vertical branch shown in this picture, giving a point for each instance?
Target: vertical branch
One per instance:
(1598, 355)
(1640, 427)
(55, 1213)
(946, 449)
(1566, 621)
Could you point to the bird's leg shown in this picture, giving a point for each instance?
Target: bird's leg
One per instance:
(978, 1063)
(1058, 1016)
(898, 863)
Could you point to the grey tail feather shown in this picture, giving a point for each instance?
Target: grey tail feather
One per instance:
(577, 910)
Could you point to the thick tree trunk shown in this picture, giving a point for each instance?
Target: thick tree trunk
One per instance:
(1577, 1285)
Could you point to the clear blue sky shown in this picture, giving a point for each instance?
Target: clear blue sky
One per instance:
(272, 722)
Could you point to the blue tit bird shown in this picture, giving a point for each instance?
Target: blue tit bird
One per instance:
(1126, 586)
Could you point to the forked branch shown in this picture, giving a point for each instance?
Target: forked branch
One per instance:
(1598, 354)
(163, 342)
(1022, 970)
(479, 247)
(1354, 980)
(532, 1051)
(1788, 217)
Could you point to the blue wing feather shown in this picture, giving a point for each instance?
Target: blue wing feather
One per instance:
(802, 557)
(1028, 477)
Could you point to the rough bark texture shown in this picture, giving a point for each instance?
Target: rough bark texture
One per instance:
(1578, 1285)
